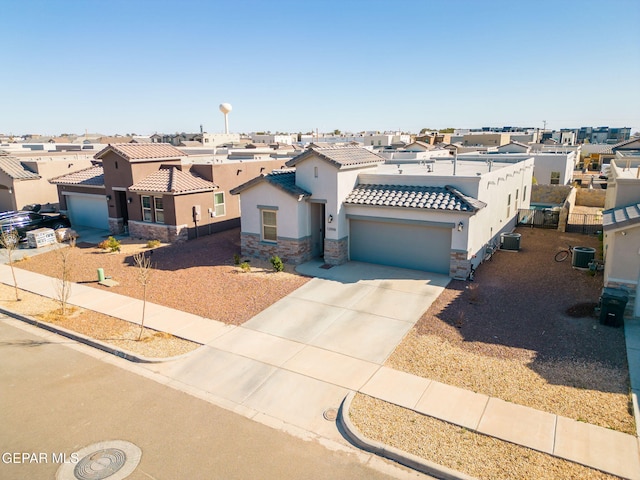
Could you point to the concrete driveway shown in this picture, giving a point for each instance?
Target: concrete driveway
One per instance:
(302, 355)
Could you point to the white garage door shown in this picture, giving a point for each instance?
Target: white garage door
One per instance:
(414, 246)
(88, 211)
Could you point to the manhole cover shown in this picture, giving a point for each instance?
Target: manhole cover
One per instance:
(100, 465)
(330, 414)
(113, 460)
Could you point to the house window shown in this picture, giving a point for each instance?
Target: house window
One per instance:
(116, 164)
(269, 226)
(517, 191)
(146, 209)
(159, 208)
(218, 204)
(555, 178)
(524, 194)
(315, 172)
(508, 205)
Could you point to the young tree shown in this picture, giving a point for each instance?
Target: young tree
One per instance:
(10, 240)
(63, 288)
(145, 271)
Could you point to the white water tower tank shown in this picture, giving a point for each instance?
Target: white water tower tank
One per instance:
(225, 108)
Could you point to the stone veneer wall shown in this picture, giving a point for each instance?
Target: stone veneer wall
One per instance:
(157, 231)
(289, 250)
(336, 252)
(116, 226)
(459, 265)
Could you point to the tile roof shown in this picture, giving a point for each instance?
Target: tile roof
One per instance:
(173, 180)
(406, 196)
(340, 156)
(15, 169)
(142, 151)
(621, 217)
(92, 176)
(285, 180)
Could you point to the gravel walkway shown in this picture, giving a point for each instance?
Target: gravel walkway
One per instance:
(198, 276)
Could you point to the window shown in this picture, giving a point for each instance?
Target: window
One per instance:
(508, 205)
(269, 226)
(218, 204)
(517, 191)
(159, 208)
(555, 178)
(146, 209)
(315, 172)
(116, 162)
(524, 194)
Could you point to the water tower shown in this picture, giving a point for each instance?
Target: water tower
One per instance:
(225, 108)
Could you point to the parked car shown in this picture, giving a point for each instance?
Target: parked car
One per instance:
(24, 221)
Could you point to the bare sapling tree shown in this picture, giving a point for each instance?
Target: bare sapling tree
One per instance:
(145, 272)
(10, 241)
(63, 287)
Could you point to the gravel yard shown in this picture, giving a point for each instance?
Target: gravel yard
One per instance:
(198, 276)
(96, 325)
(458, 448)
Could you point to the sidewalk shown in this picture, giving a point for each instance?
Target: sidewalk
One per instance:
(294, 382)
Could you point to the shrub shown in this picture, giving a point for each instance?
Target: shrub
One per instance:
(110, 244)
(236, 259)
(153, 243)
(278, 266)
(245, 267)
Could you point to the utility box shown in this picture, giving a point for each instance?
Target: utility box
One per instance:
(613, 301)
(41, 237)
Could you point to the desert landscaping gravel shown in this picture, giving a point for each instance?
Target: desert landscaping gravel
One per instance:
(455, 447)
(198, 276)
(107, 329)
(508, 335)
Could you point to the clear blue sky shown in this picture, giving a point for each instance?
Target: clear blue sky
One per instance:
(121, 66)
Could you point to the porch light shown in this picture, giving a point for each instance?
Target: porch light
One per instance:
(330, 219)
(460, 226)
(129, 200)
(108, 198)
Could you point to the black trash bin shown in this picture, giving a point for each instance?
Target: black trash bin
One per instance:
(613, 301)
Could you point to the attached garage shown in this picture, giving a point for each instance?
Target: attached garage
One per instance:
(414, 245)
(87, 210)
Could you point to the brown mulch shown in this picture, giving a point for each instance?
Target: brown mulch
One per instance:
(198, 276)
(508, 334)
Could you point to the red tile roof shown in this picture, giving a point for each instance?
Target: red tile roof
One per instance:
(143, 151)
(173, 180)
(92, 176)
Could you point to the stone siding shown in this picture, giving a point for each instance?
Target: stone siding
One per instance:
(289, 250)
(336, 252)
(116, 226)
(156, 231)
(459, 265)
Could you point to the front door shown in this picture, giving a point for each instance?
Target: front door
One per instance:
(317, 229)
(123, 208)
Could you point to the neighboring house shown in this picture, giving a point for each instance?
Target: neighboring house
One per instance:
(603, 154)
(24, 177)
(347, 204)
(621, 224)
(511, 147)
(155, 191)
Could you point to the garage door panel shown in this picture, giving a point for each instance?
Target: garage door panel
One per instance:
(88, 211)
(400, 245)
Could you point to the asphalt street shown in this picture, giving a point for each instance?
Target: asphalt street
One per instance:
(57, 400)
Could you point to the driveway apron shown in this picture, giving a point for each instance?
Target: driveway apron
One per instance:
(302, 355)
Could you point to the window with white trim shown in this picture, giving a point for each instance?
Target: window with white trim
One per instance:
(146, 209)
(555, 178)
(159, 209)
(508, 205)
(269, 226)
(218, 204)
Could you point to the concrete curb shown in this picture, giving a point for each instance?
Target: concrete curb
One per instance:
(92, 342)
(408, 460)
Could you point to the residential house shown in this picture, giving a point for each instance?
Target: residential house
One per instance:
(24, 177)
(621, 225)
(348, 204)
(156, 191)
